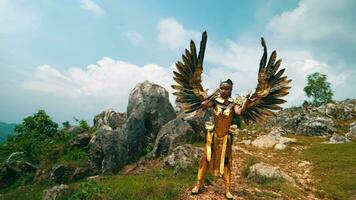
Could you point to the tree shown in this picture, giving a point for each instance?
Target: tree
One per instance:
(318, 88)
(40, 124)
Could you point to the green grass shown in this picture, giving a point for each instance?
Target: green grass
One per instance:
(160, 183)
(30, 192)
(152, 184)
(334, 168)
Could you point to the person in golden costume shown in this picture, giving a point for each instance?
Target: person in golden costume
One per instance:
(192, 98)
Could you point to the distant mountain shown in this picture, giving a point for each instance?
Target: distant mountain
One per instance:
(6, 130)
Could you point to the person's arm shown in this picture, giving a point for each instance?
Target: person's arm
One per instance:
(207, 104)
(239, 109)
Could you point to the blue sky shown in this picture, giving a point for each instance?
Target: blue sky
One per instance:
(77, 58)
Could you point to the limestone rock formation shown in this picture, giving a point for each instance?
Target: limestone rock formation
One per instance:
(107, 150)
(110, 118)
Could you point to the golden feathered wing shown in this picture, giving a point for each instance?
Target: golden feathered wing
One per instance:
(271, 87)
(188, 88)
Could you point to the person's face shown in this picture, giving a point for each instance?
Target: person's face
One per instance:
(225, 90)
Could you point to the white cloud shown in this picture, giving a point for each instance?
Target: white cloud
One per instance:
(91, 6)
(107, 81)
(327, 28)
(134, 37)
(314, 21)
(174, 35)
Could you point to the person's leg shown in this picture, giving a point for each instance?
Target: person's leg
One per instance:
(227, 171)
(201, 174)
(227, 180)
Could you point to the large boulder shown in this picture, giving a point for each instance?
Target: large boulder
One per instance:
(110, 118)
(273, 139)
(148, 110)
(80, 141)
(107, 150)
(15, 167)
(268, 171)
(175, 132)
(61, 174)
(57, 192)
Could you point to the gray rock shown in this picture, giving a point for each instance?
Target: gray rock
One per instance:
(338, 139)
(57, 192)
(342, 110)
(262, 169)
(122, 139)
(107, 151)
(110, 118)
(61, 174)
(80, 141)
(148, 110)
(316, 126)
(273, 138)
(183, 156)
(15, 167)
(75, 130)
(351, 135)
(264, 141)
(174, 133)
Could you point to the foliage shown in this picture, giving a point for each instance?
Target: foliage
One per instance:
(34, 138)
(88, 190)
(318, 88)
(82, 123)
(39, 125)
(66, 124)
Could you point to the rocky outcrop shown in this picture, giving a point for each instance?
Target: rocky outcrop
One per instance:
(338, 139)
(107, 150)
(109, 118)
(175, 132)
(61, 174)
(148, 110)
(316, 126)
(123, 138)
(14, 168)
(80, 141)
(312, 120)
(341, 110)
(57, 192)
(265, 170)
(351, 135)
(183, 156)
(181, 130)
(75, 130)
